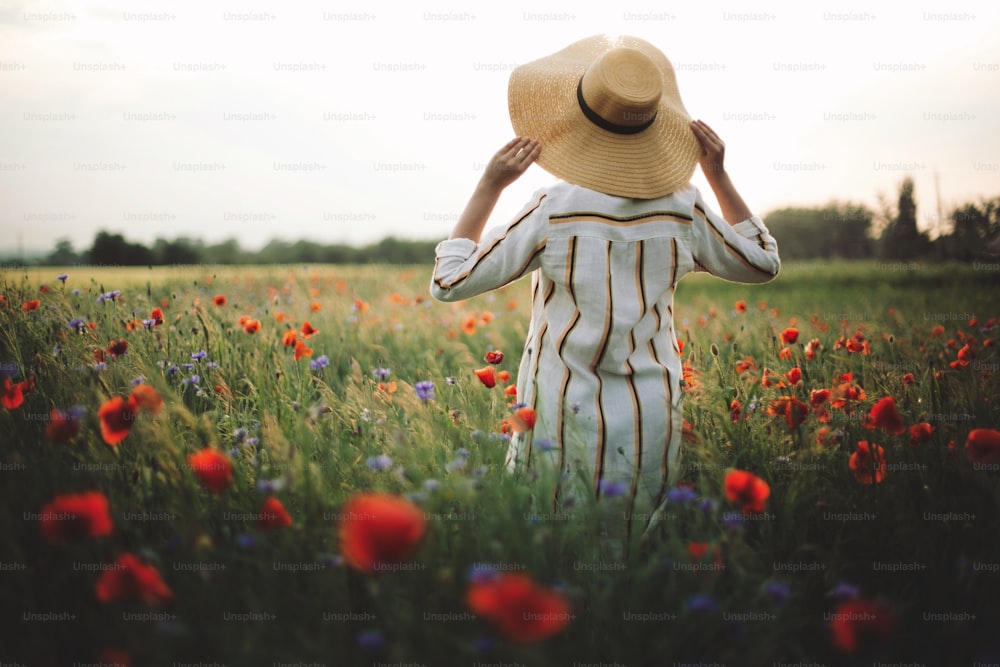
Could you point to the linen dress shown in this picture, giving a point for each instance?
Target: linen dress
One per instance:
(601, 364)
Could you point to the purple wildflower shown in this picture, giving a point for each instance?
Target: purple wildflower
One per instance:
(425, 390)
(681, 495)
(611, 489)
(372, 640)
(320, 362)
(199, 355)
(381, 373)
(380, 462)
(62, 277)
(701, 602)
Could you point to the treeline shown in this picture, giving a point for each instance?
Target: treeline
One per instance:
(114, 249)
(852, 231)
(837, 230)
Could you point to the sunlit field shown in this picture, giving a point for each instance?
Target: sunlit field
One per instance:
(304, 465)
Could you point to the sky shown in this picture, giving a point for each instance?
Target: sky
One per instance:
(343, 122)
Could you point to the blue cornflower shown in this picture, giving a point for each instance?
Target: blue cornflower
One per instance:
(139, 379)
(681, 495)
(380, 462)
(457, 464)
(544, 445)
(320, 362)
(371, 640)
(481, 572)
(708, 505)
(778, 591)
(701, 602)
(431, 485)
(172, 369)
(77, 323)
(846, 591)
(381, 373)
(611, 489)
(62, 277)
(199, 355)
(425, 390)
(149, 324)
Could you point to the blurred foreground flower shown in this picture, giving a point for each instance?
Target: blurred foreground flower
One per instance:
(73, 517)
(747, 490)
(131, 579)
(521, 610)
(379, 529)
(212, 468)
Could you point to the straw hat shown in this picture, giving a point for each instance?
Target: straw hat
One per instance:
(608, 115)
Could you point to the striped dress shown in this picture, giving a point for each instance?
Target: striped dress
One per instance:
(601, 365)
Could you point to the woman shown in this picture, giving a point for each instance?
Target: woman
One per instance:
(606, 247)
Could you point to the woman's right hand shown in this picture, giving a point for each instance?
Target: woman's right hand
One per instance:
(508, 163)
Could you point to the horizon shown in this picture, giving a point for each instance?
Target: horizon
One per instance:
(349, 124)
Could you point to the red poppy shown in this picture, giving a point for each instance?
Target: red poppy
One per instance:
(859, 625)
(919, 433)
(219, 300)
(118, 347)
(789, 336)
(747, 490)
(908, 378)
(73, 517)
(868, 463)
(469, 325)
(785, 353)
(487, 376)
(116, 417)
(301, 350)
(983, 446)
(503, 376)
(741, 306)
(521, 610)
(13, 394)
(964, 355)
(212, 468)
(735, 409)
(131, 579)
(792, 409)
(524, 418)
(157, 316)
(30, 305)
(114, 658)
(289, 338)
(812, 347)
(63, 427)
(272, 515)
(145, 397)
(770, 379)
(794, 376)
(745, 365)
(377, 529)
(884, 415)
(307, 330)
(316, 306)
(494, 357)
(251, 326)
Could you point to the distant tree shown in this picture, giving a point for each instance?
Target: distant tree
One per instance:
(63, 254)
(179, 251)
(836, 230)
(226, 252)
(975, 230)
(113, 249)
(901, 238)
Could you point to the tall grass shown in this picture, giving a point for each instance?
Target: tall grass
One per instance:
(922, 543)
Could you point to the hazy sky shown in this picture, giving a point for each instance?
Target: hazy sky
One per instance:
(345, 122)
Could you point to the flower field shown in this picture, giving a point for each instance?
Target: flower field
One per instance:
(303, 465)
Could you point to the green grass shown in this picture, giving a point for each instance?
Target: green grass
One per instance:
(911, 542)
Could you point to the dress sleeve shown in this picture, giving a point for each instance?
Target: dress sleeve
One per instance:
(464, 268)
(745, 252)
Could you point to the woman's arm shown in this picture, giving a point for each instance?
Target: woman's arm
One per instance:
(505, 167)
(713, 153)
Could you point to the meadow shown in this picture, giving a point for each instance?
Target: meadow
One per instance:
(303, 465)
